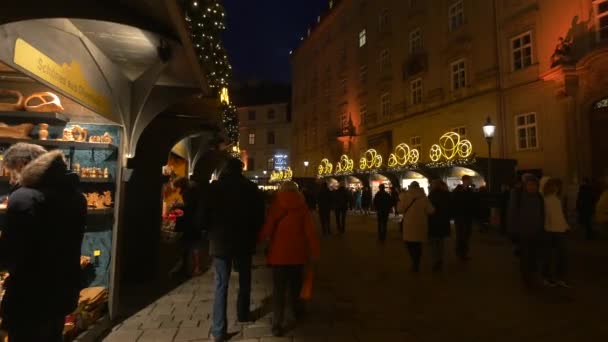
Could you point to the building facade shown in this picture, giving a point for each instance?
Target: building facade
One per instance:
(374, 74)
(265, 137)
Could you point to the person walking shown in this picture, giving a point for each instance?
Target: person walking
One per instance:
(188, 225)
(382, 204)
(324, 204)
(293, 242)
(556, 228)
(585, 207)
(439, 221)
(366, 199)
(466, 204)
(358, 201)
(526, 222)
(234, 215)
(395, 199)
(340, 200)
(415, 207)
(41, 242)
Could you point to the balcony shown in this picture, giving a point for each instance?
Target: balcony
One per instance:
(415, 64)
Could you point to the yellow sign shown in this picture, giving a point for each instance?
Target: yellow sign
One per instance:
(66, 77)
(345, 165)
(403, 156)
(370, 160)
(451, 145)
(325, 168)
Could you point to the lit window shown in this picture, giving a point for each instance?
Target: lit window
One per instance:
(459, 74)
(416, 91)
(362, 38)
(363, 74)
(363, 113)
(602, 20)
(270, 138)
(462, 131)
(384, 21)
(521, 51)
(415, 143)
(416, 40)
(526, 131)
(385, 60)
(385, 104)
(271, 114)
(251, 138)
(456, 14)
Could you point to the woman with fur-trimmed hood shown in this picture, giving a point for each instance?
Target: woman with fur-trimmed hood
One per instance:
(40, 243)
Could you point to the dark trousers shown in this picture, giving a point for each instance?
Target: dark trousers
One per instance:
(287, 283)
(555, 249)
(382, 224)
(464, 229)
(223, 268)
(324, 216)
(587, 223)
(530, 252)
(415, 251)
(48, 329)
(340, 220)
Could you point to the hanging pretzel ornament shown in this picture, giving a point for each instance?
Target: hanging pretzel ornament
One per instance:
(6, 94)
(47, 102)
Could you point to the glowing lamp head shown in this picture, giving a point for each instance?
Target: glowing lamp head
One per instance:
(306, 163)
(489, 129)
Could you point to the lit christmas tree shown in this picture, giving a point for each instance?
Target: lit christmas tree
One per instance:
(206, 21)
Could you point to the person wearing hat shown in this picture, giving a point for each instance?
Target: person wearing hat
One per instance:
(383, 204)
(40, 243)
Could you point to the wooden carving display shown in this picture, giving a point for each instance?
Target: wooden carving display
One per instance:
(7, 95)
(99, 201)
(18, 132)
(43, 102)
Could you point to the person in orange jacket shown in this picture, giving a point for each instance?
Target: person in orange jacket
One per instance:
(293, 242)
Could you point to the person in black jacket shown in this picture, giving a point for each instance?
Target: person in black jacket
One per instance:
(324, 203)
(383, 202)
(41, 244)
(339, 201)
(234, 214)
(466, 203)
(187, 225)
(439, 221)
(366, 199)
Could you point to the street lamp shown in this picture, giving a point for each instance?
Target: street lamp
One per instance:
(489, 129)
(306, 163)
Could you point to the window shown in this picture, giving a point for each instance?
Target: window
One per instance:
(250, 164)
(362, 38)
(459, 74)
(363, 74)
(385, 60)
(462, 131)
(415, 143)
(415, 40)
(416, 91)
(252, 115)
(602, 20)
(270, 138)
(384, 21)
(456, 15)
(271, 114)
(525, 129)
(521, 51)
(251, 138)
(363, 113)
(385, 104)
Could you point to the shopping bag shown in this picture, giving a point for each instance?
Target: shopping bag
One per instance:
(306, 292)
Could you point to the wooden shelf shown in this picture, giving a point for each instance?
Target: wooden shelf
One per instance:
(94, 180)
(106, 211)
(34, 117)
(60, 143)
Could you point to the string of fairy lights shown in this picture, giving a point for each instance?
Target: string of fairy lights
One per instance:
(206, 22)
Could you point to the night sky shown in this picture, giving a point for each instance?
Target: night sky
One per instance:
(260, 34)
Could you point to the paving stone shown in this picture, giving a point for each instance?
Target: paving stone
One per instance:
(150, 324)
(191, 323)
(275, 339)
(191, 334)
(158, 335)
(169, 324)
(257, 331)
(124, 336)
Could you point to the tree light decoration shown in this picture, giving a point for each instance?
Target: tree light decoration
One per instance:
(345, 165)
(403, 156)
(370, 160)
(451, 145)
(281, 176)
(325, 168)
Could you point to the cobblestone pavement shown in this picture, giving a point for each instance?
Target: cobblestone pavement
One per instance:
(364, 292)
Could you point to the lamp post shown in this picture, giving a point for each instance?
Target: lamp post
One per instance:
(306, 163)
(488, 132)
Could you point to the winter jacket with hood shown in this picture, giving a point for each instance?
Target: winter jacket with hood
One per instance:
(289, 227)
(415, 219)
(41, 242)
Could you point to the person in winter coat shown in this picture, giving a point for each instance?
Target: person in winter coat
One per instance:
(293, 242)
(467, 204)
(415, 207)
(41, 244)
(526, 222)
(366, 199)
(439, 221)
(383, 203)
(358, 201)
(339, 200)
(234, 215)
(324, 203)
(188, 224)
(585, 207)
(556, 228)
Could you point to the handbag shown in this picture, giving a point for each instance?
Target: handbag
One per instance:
(405, 212)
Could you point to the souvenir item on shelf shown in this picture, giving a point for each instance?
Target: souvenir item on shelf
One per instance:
(18, 131)
(8, 94)
(43, 102)
(106, 174)
(92, 199)
(78, 133)
(94, 139)
(84, 261)
(107, 198)
(99, 201)
(106, 138)
(76, 168)
(43, 131)
(67, 134)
